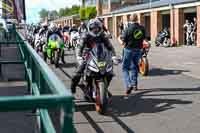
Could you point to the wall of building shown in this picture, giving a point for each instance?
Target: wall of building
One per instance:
(156, 21)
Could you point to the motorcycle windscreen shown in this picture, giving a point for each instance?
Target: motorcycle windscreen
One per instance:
(100, 52)
(103, 58)
(54, 41)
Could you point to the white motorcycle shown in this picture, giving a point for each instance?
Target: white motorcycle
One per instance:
(75, 37)
(40, 41)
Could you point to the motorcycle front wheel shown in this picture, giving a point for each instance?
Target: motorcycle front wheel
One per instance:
(166, 43)
(144, 66)
(57, 57)
(101, 99)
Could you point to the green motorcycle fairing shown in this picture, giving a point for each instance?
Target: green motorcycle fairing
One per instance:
(54, 42)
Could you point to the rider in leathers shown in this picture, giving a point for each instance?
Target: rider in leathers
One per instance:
(95, 34)
(44, 29)
(54, 30)
(82, 29)
(188, 26)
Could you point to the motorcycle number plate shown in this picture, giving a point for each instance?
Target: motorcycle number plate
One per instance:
(101, 64)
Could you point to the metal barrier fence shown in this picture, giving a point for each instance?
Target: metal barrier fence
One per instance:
(47, 91)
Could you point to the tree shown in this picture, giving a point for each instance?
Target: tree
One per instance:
(91, 12)
(53, 15)
(82, 14)
(43, 13)
(88, 13)
(62, 12)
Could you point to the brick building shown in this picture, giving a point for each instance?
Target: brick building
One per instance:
(69, 20)
(153, 14)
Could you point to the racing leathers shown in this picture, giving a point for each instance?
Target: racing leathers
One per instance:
(86, 44)
(43, 30)
(82, 29)
(189, 27)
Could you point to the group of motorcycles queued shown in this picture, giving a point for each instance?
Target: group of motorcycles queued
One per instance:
(99, 68)
(52, 48)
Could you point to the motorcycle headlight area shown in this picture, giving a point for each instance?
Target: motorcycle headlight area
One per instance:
(97, 67)
(101, 64)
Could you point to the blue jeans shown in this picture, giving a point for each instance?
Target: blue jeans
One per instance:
(130, 66)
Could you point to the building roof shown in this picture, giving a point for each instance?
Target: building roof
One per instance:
(154, 4)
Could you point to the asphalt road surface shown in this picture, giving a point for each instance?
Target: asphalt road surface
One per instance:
(167, 100)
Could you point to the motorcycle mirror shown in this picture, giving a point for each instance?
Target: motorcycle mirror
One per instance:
(117, 60)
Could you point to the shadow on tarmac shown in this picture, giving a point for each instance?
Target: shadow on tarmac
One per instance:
(165, 72)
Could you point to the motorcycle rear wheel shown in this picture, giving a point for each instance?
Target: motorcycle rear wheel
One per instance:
(144, 66)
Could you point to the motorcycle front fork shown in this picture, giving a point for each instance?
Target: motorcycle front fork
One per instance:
(91, 83)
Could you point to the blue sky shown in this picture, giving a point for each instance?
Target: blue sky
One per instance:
(34, 6)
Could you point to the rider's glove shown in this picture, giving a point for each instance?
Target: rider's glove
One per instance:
(80, 60)
(115, 60)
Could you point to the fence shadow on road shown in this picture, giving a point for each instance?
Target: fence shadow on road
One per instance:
(140, 103)
(68, 65)
(84, 110)
(165, 72)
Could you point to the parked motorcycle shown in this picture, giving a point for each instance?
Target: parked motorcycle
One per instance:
(144, 63)
(30, 39)
(54, 50)
(163, 38)
(40, 42)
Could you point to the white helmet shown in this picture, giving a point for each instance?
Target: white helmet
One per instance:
(95, 27)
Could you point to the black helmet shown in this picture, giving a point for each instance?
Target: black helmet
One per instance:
(95, 24)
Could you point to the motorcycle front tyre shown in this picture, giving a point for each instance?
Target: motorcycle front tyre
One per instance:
(57, 57)
(45, 56)
(102, 108)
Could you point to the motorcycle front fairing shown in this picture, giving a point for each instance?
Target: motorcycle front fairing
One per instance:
(100, 62)
(55, 42)
(75, 35)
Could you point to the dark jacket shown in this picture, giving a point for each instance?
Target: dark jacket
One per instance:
(133, 36)
(66, 29)
(43, 31)
(58, 32)
(73, 29)
(87, 42)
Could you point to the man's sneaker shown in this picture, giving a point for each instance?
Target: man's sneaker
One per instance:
(128, 91)
(135, 88)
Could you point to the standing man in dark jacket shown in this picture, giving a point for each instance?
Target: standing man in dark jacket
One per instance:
(132, 37)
